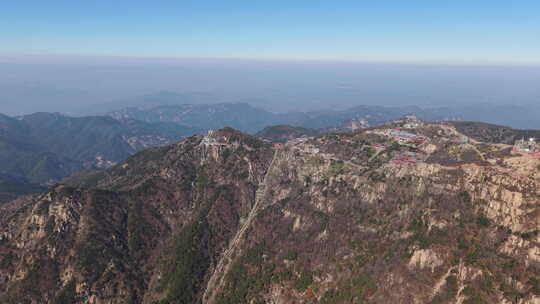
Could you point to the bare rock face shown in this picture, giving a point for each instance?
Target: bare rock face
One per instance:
(226, 218)
(425, 258)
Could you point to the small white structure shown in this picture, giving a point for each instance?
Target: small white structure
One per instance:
(209, 139)
(523, 145)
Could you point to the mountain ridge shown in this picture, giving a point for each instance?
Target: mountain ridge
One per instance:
(416, 216)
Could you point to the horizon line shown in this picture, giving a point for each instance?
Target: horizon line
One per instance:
(67, 57)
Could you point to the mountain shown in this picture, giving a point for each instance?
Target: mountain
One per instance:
(94, 136)
(21, 154)
(250, 119)
(376, 216)
(241, 116)
(46, 147)
(35, 146)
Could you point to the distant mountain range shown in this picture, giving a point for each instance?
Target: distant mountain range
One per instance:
(250, 119)
(244, 117)
(241, 116)
(193, 107)
(42, 148)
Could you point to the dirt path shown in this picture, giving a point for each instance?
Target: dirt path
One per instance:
(217, 280)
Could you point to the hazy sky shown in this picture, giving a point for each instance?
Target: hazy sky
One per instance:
(459, 31)
(282, 55)
(70, 83)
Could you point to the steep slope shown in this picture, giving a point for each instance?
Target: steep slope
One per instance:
(377, 216)
(155, 236)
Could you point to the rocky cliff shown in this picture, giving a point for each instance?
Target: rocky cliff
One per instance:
(383, 215)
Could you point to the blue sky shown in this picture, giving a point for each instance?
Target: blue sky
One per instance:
(394, 31)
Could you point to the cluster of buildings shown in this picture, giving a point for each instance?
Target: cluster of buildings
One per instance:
(401, 135)
(404, 137)
(411, 122)
(526, 146)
